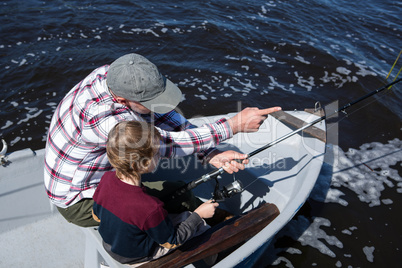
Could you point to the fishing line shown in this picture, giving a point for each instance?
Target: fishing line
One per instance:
(397, 58)
(397, 75)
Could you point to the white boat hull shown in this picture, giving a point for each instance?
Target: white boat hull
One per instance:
(283, 175)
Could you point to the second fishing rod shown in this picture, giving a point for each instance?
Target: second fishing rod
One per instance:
(235, 188)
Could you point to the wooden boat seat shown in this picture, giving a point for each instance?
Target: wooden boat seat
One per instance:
(295, 123)
(222, 236)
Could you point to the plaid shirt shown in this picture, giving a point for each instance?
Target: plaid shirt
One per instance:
(75, 157)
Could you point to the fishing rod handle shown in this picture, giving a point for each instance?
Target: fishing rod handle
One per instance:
(189, 186)
(192, 184)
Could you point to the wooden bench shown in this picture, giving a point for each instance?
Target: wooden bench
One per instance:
(221, 237)
(295, 123)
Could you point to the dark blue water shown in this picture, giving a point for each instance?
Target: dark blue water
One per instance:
(226, 54)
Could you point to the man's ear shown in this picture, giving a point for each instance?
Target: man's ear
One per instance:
(122, 100)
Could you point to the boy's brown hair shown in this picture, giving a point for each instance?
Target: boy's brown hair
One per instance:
(131, 147)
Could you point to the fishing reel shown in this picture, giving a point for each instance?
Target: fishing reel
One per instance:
(3, 157)
(228, 191)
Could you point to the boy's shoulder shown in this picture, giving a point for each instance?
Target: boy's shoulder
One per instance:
(134, 196)
(107, 178)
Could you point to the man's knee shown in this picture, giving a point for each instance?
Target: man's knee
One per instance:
(80, 213)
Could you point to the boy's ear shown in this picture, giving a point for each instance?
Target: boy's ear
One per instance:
(145, 165)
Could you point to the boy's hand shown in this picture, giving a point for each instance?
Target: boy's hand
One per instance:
(207, 210)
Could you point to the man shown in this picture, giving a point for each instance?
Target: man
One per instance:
(131, 88)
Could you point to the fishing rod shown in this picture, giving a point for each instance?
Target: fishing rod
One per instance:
(236, 186)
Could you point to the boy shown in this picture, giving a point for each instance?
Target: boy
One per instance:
(135, 226)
